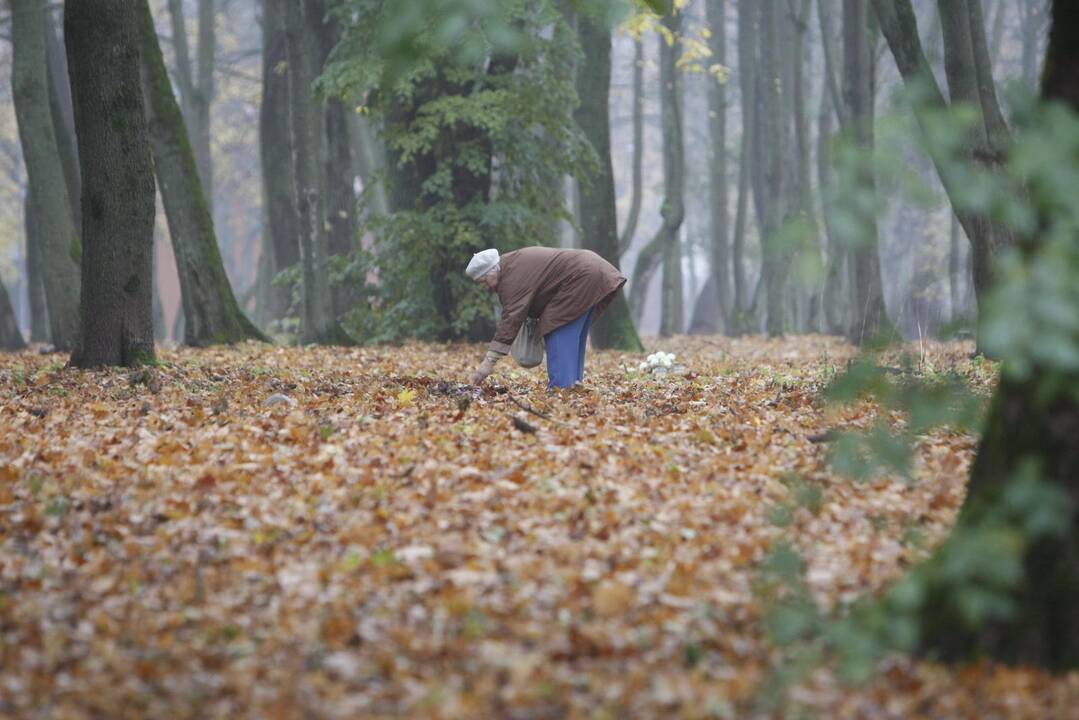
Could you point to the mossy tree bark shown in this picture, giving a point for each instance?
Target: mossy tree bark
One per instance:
(211, 314)
(598, 217)
(1028, 422)
(54, 225)
(118, 184)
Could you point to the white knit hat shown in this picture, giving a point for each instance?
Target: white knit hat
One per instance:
(482, 263)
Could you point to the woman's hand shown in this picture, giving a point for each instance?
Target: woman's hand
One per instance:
(486, 368)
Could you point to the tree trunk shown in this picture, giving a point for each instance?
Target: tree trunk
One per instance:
(204, 96)
(370, 159)
(340, 196)
(341, 226)
(275, 150)
(118, 184)
(954, 266)
(773, 186)
(718, 198)
(970, 80)
(599, 218)
(317, 322)
(630, 230)
(1028, 425)
(833, 106)
(738, 320)
(963, 69)
(996, 37)
(196, 85)
(673, 211)
(871, 321)
(836, 254)
(1032, 17)
(63, 117)
(35, 288)
(54, 225)
(802, 194)
(826, 20)
(211, 313)
(10, 337)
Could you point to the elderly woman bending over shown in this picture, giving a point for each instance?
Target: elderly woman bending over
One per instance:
(565, 289)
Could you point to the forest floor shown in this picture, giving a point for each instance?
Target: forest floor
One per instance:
(343, 533)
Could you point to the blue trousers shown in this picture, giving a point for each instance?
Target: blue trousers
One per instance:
(565, 352)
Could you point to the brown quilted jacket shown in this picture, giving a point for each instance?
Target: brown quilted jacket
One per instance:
(555, 285)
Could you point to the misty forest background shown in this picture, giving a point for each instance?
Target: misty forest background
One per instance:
(722, 175)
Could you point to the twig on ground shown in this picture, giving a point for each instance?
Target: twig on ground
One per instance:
(523, 425)
(528, 408)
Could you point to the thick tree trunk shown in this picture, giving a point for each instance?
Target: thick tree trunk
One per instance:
(673, 211)
(275, 149)
(118, 184)
(317, 322)
(211, 313)
(1028, 426)
(636, 192)
(10, 337)
(871, 321)
(599, 218)
(54, 226)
